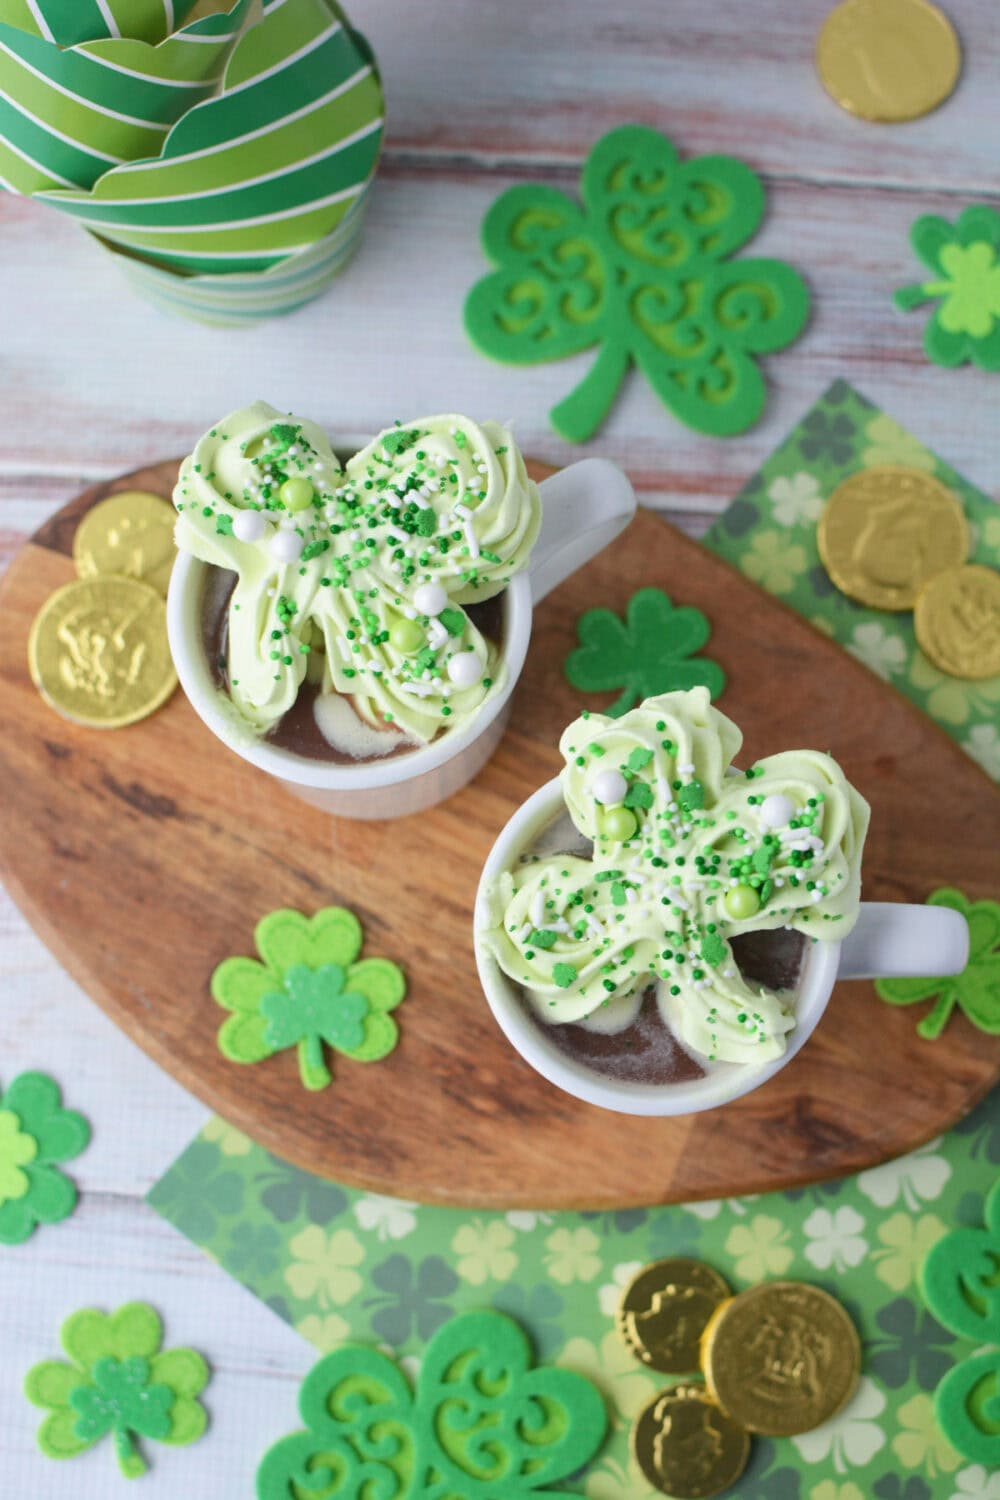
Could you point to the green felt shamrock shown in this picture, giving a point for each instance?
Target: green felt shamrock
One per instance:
(482, 1424)
(35, 1133)
(650, 652)
(967, 1408)
(960, 1277)
(641, 271)
(976, 991)
(965, 259)
(310, 990)
(120, 1382)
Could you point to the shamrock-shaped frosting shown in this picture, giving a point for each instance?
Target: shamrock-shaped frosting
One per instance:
(687, 854)
(358, 575)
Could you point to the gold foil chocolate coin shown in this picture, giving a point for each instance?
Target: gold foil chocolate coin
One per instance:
(885, 532)
(130, 534)
(781, 1358)
(686, 1447)
(888, 59)
(98, 652)
(957, 622)
(663, 1312)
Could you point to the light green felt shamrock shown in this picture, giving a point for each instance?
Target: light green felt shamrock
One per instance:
(641, 271)
(960, 1278)
(650, 652)
(481, 1423)
(310, 990)
(965, 260)
(976, 991)
(119, 1382)
(35, 1133)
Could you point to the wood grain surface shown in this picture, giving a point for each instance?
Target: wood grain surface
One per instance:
(144, 856)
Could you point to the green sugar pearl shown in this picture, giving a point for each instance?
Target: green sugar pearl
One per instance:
(407, 636)
(619, 824)
(741, 901)
(296, 494)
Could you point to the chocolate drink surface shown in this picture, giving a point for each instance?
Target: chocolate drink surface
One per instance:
(298, 730)
(646, 1051)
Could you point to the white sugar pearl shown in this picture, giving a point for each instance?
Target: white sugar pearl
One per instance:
(430, 598)
(286, 546)
(777, 811)
(249, 526)
(609, 788)
(464, 669)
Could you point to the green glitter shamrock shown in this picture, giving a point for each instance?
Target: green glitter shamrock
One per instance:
(482, 1422)
(976, 991)
(651, 652)
(35, 1133)
(118, 1382)
(964, 259)
(641, 271)
(310, 989)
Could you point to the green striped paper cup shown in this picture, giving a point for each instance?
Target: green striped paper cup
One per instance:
(242, 297)
(264, 170)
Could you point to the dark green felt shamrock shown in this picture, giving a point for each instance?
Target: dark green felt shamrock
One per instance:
(650, 652)
(967, 1407)
(35, 1134)
(641, 271)
(119, 1382)
(965, 260)
(960, 1278)
(481, 1425)
(976, 991)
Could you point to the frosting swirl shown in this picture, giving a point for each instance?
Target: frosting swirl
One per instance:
(687, 854)
(359, 574)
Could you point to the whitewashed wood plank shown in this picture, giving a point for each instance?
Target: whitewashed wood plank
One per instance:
(387, 342)
(542, 81)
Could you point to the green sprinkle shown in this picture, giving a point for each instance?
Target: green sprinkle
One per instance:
(564, 975)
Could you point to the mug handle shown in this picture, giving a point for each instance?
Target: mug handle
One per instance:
(893, 941)
(584, 507)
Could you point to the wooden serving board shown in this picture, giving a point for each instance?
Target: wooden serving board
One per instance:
(145, 855)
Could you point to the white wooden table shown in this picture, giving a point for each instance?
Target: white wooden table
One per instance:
(481, 94)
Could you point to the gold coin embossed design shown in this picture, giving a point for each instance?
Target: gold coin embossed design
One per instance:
(957, 622)
(781, 1358)
(130, 534)
(888, 60)
(663, 1312)
(686, 1447)
(98, 651)
(885, 532)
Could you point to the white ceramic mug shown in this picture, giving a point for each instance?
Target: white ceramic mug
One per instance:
(584, 507)
(890, 939)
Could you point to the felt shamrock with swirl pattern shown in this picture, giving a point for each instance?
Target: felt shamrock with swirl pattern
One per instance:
(358, 578)
(642, 271)
(685, 854)
(481, 1425)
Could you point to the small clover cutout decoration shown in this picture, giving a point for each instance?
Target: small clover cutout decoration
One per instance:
(119, 1383)
(976, 991)
(652, 651)
(965, 260)
(640, 270)
(35, 1134)
(482, 1424)
(309, 992)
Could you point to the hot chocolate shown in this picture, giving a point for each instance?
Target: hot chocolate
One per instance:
(351, 613)
(659, 927)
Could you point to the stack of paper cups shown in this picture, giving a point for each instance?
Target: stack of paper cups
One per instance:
(254, 197)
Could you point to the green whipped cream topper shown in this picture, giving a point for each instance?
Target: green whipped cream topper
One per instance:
(358, 574)
(687, 853)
